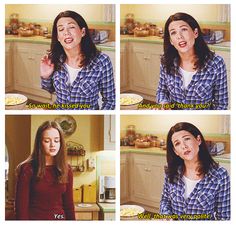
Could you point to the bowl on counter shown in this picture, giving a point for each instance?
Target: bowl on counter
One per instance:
(26, 32)
(130, 212)
(15, 101)
(130, 101)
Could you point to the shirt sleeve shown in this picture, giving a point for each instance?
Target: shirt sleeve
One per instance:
(223, 198)
(22, 196)
(68, 203)
(165, 205)
(220, 92)
(107, 86)
(47, 84)
(162, 91)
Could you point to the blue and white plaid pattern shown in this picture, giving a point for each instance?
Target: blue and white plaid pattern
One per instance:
(208, 86)
(83, 93)
(211, 197)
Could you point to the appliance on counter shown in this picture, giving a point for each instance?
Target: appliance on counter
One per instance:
(107, 191)
(213, 36)
(99, 36)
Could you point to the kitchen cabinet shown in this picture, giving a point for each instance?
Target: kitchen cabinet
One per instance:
(124, 178)
(147, 179)
(27, 57)
(144, 68)
(107, 211)
(90, 212)
(109, 132)
(123, 67)
(8, 67)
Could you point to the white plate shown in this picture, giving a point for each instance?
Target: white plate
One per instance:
(84, 205)
(130, 210)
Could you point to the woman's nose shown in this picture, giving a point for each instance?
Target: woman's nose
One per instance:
(52, 144)
(179, 35)
(66, 32)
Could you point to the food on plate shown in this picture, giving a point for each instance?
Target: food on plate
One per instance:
(13, 100)
(129, 100)
(129, 212)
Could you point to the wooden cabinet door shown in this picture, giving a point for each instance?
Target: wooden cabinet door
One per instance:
(124, 178)
(156, 169)
(124, 80)
(27, 59)
(22, 67)
(139, 178)
(8, 67)
(138, 67)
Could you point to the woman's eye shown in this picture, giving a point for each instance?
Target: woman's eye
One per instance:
(187, 138)
(56, 141)
(172, 33)
(46, 141)
(176, 144)
(61, 29)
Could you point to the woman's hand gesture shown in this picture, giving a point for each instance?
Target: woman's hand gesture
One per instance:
(46, 67)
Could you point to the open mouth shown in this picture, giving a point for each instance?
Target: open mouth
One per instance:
(187, 152)
(52, 150)
(68, 40)
(182, 44)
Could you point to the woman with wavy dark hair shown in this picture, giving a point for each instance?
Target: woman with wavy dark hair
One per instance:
(195, 187)
(75, 69)
(191, 76)
(44, 179)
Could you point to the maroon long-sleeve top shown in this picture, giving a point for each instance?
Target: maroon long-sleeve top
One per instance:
(43, 199)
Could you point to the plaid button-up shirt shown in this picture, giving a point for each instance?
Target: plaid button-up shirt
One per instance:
(210, 197)
(83, 93)
(208, 87)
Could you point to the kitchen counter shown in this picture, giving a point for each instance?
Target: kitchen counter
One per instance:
(108, 211)
(224, 158)
(223, 46)
(109, 46)
(86, 211)
(107, 207)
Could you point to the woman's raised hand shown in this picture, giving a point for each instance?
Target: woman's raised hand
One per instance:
(46, 67)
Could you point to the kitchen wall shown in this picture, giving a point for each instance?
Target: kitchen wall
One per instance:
(212, 124)
(94, 14)
(17, 138)
(218, 17)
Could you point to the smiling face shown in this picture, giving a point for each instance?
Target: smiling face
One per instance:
(186, 146)
(69, 34)
(182, 37)
(51, 142)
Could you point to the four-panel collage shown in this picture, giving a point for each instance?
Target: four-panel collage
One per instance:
(118, 112)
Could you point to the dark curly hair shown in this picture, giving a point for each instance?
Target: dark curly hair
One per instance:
(201, 49)
(88, 48)
(174, 162)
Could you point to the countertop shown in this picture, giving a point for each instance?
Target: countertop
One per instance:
(107, 207)
(224, 158)
(223, 46)
(109, 46)
(92, 207)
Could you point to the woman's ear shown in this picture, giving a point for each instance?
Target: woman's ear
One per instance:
(195, 32)
(83, 31)
(199, 139)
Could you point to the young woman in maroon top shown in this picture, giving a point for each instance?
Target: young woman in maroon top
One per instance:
(44, 179)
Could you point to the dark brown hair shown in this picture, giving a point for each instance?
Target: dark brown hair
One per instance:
(37, 157)
(88, 48)
(201, 49)
(174, 162)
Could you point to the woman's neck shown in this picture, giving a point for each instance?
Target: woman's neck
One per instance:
(187, 61)
(49, 160)
(74, 57)
(191, 170)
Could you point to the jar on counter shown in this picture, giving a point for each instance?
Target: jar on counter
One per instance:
(130, 130)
